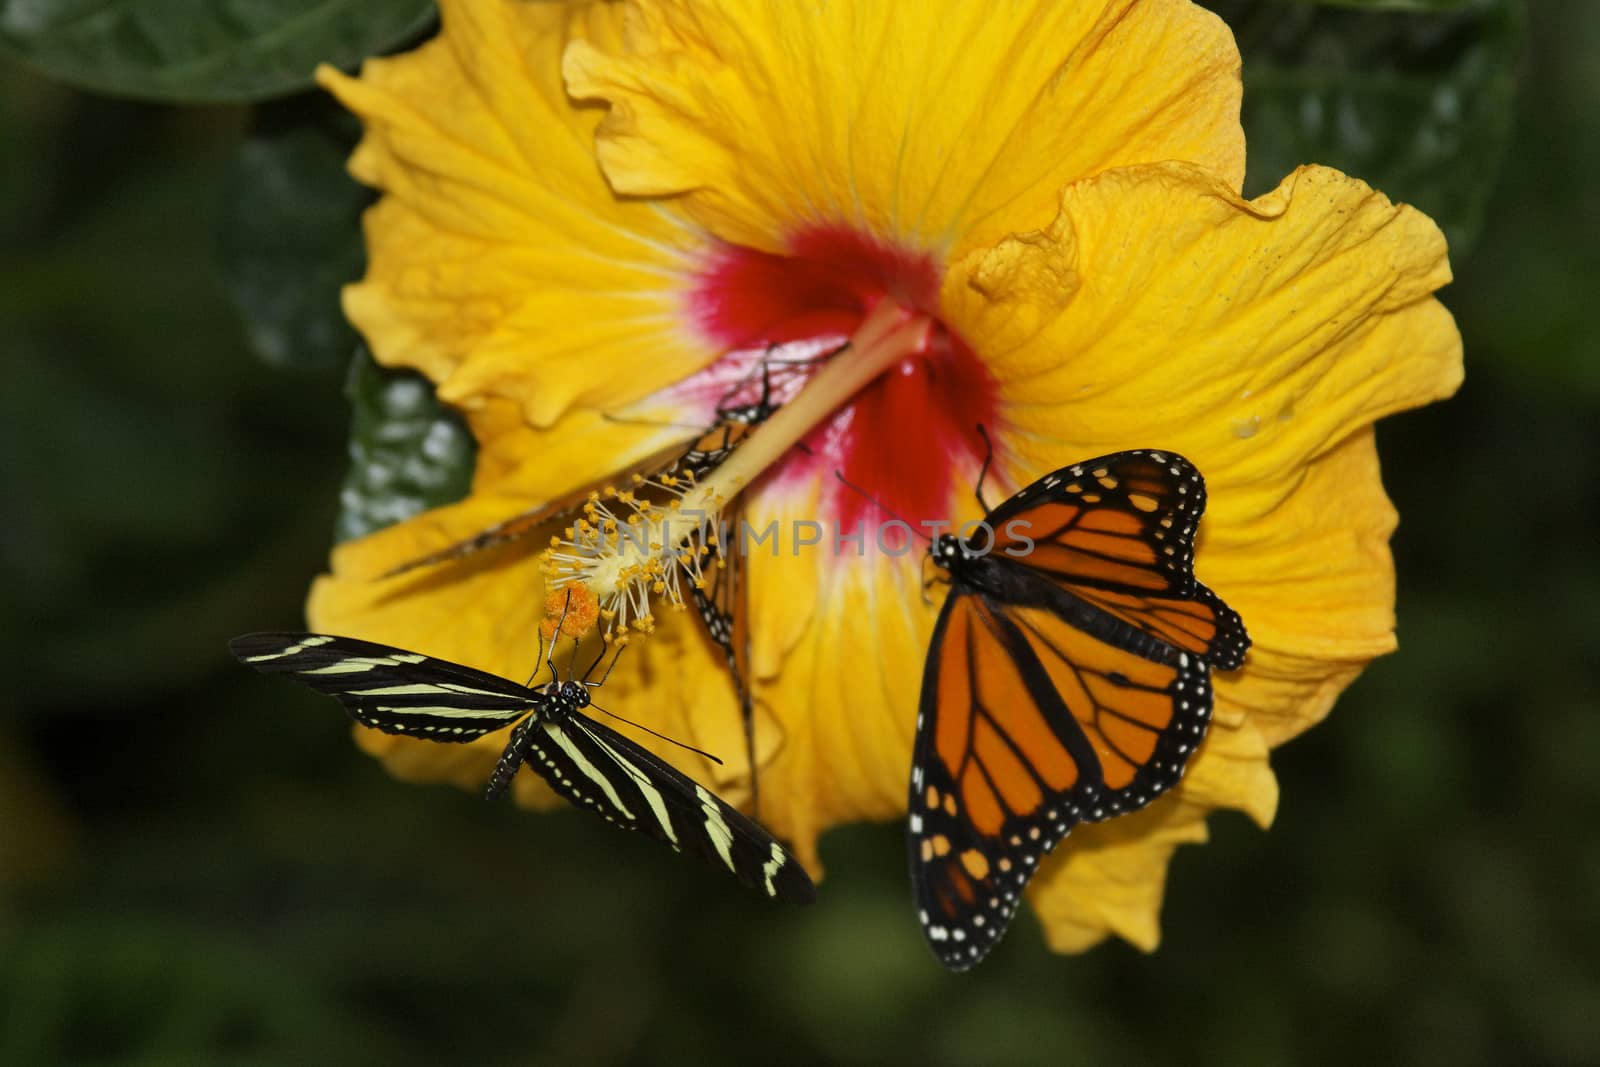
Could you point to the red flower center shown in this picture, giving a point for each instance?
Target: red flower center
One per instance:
(902, 437)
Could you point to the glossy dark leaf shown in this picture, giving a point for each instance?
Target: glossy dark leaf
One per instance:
(408, 452)
(289, 235)
(202, 50)
(1417, 104)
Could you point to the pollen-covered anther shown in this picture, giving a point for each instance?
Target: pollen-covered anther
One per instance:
(631, 546)
(573, 608)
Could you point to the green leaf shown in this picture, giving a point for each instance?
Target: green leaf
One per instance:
(1418, 105)
(202, 50)
(408, 452)
(289, 235)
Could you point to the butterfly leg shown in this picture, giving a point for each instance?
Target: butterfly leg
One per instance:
(927, 583)
(538, 657)
(609, 669)
(766, 382)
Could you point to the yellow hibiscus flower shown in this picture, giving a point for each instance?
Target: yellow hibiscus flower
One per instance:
(593, 208)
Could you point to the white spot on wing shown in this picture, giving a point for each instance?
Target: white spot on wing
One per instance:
(716, 826)
(360, 664)
(590, 771)
(293, 650)
(769, 870)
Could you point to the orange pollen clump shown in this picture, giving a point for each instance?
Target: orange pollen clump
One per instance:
(573, 608)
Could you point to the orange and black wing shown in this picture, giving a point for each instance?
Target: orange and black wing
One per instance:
(1028, 726)
(1117, 533)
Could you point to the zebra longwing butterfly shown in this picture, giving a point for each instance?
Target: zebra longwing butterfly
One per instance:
(592, 766)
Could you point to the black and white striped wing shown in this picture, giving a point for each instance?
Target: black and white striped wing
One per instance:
(599, 770)
(724, 612)
(391, 689)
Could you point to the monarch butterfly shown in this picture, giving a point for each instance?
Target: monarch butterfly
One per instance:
(592, 766)
(1067, 680)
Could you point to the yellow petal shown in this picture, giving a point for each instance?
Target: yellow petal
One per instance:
(926, 124)
(846, 700)
(1314, 580)
(498, 261)
(1230, 771)
(583, 448)
(1109, 878)
(701, 688)
(778, 575)
(1250, 336)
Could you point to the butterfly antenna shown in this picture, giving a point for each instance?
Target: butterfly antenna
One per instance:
(808, 361)
(765, 404)
(726, 409)
(839, 474)
(555, 638)
(652, 733)
(766, 381)
(983, 471)
(538, 657)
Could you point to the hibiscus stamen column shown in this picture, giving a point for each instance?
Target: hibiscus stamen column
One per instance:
(624, 571)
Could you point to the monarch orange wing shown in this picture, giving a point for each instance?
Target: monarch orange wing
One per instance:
(1117, 533)
(1028, 725)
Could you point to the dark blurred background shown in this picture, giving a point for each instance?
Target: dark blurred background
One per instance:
(196, 865)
